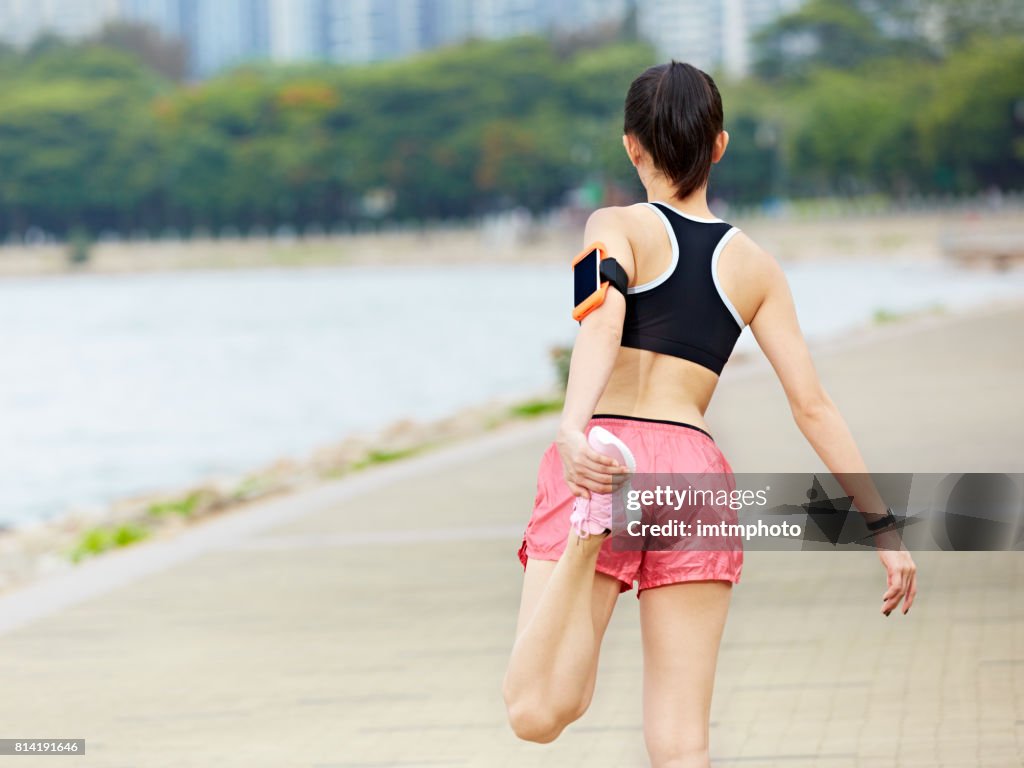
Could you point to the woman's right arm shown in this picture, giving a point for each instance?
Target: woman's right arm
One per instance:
(778, 333)
(593, 357)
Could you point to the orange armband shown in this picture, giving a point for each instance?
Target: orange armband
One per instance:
(593, 271)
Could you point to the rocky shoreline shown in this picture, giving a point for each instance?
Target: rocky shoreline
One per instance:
(38, 549)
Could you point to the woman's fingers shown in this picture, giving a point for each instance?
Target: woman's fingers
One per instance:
(911, 591)
(598, 483)
(901, 580)
(892, 595)
(594, 473)
(596, 477)
(583, 481)
(600, 458)
(577, 489)
(601, 463)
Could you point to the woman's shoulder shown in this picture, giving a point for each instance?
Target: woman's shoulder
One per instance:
(745, 251)
(748, 273)
(633, 221)
(610, 215)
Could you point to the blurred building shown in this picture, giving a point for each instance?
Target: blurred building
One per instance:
(21, 21)
(494, 19)
(453, 20)
(585, 14)
(223, 32)
(688, 30)
(709, 35)
(218, 33)
(295, 29)
(374, 30)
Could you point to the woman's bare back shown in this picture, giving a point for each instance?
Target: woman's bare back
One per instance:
(653, 385)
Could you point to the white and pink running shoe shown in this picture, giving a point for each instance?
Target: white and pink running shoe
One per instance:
(593, 516)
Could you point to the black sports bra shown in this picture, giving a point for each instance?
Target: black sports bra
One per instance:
(684, 312)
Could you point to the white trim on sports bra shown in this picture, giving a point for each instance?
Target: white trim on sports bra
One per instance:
(675, 255)
(689, 216)
(714, 275)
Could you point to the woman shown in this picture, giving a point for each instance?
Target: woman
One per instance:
(647, 364)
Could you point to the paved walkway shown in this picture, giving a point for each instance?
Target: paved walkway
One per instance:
(348, 627)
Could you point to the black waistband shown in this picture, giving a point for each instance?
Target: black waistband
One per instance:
(653, 421)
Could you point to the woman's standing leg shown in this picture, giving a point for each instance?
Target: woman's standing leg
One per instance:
(563, 614)
(682, 628)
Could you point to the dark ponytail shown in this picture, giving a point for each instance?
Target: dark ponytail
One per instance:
(675, 111)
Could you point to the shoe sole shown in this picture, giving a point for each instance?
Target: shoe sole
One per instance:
(602, 437)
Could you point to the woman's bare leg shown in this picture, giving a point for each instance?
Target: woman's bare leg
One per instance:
(563, 614)
(682, 627)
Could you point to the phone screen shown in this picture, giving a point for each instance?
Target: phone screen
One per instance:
(586, 277)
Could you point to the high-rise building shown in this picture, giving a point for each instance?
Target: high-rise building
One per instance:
(373, 30)
(358, 30)
(296, 30)
(687, 30)
(220, 33)
(495, 19)
(21, 21)
(453, 20)
(709, 35)
(570, 15)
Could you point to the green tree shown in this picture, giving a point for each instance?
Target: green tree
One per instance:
(972, 133)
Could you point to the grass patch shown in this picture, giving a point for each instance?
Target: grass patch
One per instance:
(384, 457)
(98, 540)
(884, 316)
(185, 507)
(533, 408)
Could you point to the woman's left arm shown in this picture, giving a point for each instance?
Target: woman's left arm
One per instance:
(593, 357)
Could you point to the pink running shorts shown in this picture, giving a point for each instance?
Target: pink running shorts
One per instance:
(658, 447)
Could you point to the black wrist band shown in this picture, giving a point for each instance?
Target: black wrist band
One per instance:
(883, 522)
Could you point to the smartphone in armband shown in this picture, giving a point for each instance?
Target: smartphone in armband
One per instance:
(593, 271)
